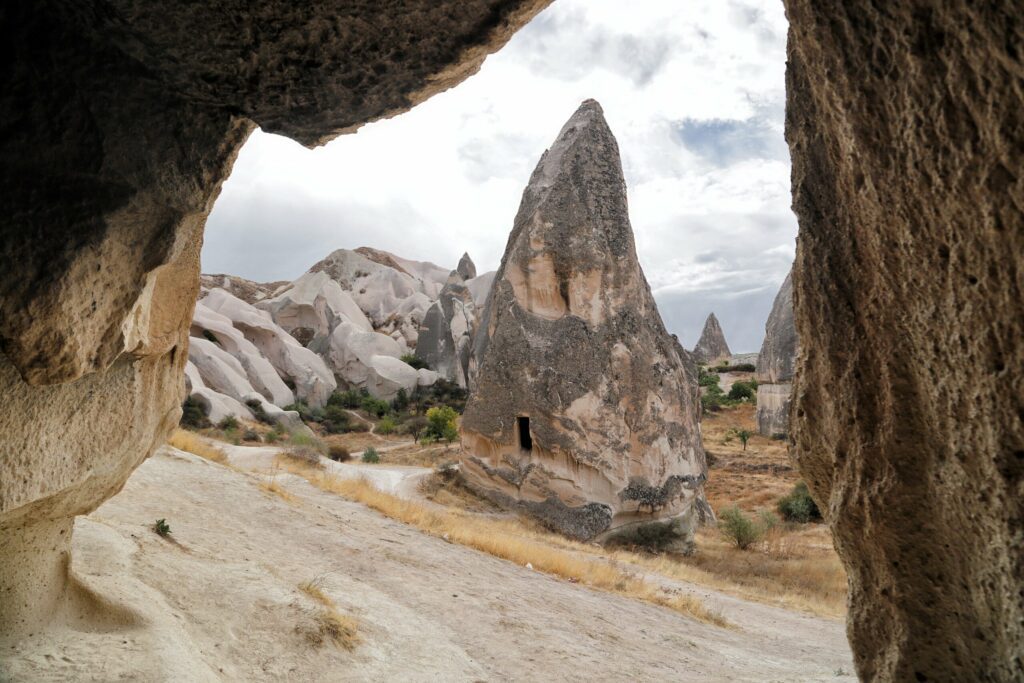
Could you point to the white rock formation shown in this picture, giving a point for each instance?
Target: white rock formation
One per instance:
(312, 306)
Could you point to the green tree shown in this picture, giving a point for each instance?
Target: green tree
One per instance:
(386, 426)
(743, 435)
(742, 391)
(441, 423)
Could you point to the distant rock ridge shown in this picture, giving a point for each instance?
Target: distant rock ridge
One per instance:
(711, 347)
(584, 413)
(776, 364)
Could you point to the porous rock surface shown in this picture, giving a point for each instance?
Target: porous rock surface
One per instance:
(906, 128)
(775, 365)
(573, 342)
(121, 120)
(711, 347)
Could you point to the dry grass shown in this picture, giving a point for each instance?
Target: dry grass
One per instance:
(331, 624)
(187, 441)
(274, 487)
(449, 492)
(515, 542)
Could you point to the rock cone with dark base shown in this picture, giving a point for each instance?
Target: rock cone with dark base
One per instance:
(711, 347)
(584, 413)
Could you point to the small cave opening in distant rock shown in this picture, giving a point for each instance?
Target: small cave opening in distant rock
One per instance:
(523, 426)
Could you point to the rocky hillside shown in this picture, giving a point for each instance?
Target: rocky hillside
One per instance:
(356, 320)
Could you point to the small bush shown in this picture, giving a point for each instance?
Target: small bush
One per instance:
(798, 506)
(301, 438)
(345, 399)
(742, 391)
(358, 426)
(305, 455)
(768, 520)
(738, 528)
(712, 399)
(386, 426)
(401, 401)
(228, 424)
(415, 426)
(335, 420)
(371, 455)
(742, 434)
(707, 379)
(417, 363)
(258, 412)
(193, 414)
(251, 435)
(375, 406)
(338, 453)
(272, 437)
(210, 336)
(162, 528)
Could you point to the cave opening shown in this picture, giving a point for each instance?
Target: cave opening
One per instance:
(525, 440)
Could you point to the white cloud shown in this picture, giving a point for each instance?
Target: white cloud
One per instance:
(694, 94)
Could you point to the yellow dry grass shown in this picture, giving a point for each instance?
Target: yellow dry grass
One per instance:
(331, 624)
(187, 441)
(515, 542)
(274, 487)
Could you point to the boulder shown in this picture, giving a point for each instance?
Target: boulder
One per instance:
(775, 365)
(312, 306)
(351, 350)
(711, 348)
(584, 414)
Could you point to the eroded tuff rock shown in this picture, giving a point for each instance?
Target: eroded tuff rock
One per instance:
(775, 365)
(711, 347)
(906, 127)
(121, 120)
(584, 414)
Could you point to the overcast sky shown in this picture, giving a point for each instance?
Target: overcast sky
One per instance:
(694, 92)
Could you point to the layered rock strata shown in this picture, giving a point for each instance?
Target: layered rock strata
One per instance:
(584, 414)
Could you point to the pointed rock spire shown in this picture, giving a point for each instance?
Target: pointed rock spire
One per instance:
(466, 267)
(711, 347)
(584, 413)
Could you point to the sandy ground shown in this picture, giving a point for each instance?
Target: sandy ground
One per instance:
(219, 600)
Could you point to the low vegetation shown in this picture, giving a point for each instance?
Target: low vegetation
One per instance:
(798, 506)
(193, 414)
(329, 623)
(370, 455)
(338, 453)
(161, 527)
(738, 528)
(512, 541)
(193, 443)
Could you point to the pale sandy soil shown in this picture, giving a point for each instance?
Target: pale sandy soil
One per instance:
(220, 601)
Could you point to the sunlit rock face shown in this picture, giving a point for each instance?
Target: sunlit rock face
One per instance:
(584, 414)
(711, 348)
(906, 128)
(775, 365)
(121, 120)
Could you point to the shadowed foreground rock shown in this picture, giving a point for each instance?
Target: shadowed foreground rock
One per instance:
(121, 119)
(906, 126)
(583, 413)
(775, 365)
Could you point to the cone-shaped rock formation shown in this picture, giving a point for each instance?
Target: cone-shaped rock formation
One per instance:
(584, 414)
(712, 346)
(775, 365)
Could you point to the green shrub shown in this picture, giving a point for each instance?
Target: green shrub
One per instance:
(769, 520)
(417, 363)
(371, 455)
(738, 528)
(272, 437)
(707, 379)
(798, 506)
(162, 528)
(193, 414)
(210, 336)
(375, 406)
(386, 426)
(358, 426)
(441, 392)
(298, 438)
(250, 435)
(742, 391)
(712, 399)
(742, 434)
(228, 424)
(345, 399)
(307, 455)
(335, 420)
(401, 401)
(258, 412)
(338, 453)
(441, 423)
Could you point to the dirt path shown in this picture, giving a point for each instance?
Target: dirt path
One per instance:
(223, 604)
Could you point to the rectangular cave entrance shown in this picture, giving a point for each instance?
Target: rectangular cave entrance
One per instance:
(525, 440)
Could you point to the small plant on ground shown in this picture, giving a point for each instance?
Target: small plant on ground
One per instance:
(304, 455)
(712, 399)
(193, 414)
(306, 438)
(417, 363)
(371, 455)
(738, 528)
(338, 453)
(743, 391)
(228, 424)
(386, 426)
(272, 436)
(743, 435)
(798, 506)
(251, 435)
(162, 528)
(707, 379)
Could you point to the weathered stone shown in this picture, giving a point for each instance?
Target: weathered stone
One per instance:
(466, 268)
(775, 365)
(445, 339)
(711, 347)
(312, 306)
(906, 126)
(584, 413)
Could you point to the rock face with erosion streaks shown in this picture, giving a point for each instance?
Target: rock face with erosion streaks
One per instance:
(906, 127)
(584, 414)
(121, 121)
(775, 365)
(711, 347)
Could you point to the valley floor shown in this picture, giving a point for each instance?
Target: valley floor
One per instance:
(220, 599)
